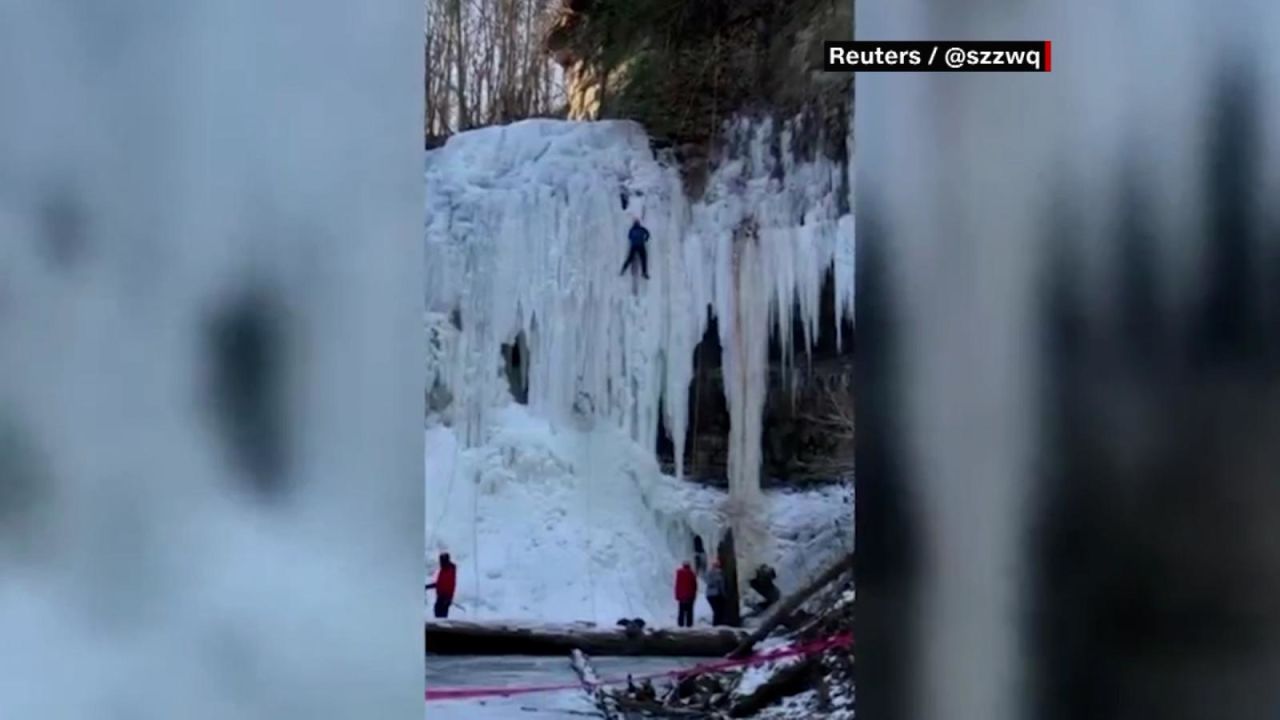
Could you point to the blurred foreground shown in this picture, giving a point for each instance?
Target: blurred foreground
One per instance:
(1069, 400)
(210, 335)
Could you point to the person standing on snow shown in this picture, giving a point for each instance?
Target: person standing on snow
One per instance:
(686, 594)
(715, 592)
(638, 237)
(446, 582)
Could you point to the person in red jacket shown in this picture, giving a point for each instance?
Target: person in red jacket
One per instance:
(446, 582)
(686, 594)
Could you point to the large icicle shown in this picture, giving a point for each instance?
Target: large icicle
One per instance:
(745, 338)
(526, 232)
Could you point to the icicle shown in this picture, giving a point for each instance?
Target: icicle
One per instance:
(746, 382)
(525, 233)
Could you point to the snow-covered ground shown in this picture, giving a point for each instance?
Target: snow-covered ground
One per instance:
(556, 509)
(566, 525)
(547, 525)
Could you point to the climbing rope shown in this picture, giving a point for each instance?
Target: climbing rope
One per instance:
(448, 493)
(697, 402)
(591, 582)
(631, 606)
(444, 509)
(475, 537)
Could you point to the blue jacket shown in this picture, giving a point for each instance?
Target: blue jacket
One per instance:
(638, 235)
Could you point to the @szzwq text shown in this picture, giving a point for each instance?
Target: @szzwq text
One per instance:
(938, 56)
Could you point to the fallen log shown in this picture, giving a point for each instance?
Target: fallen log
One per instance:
(591, 685)
(793, 603)
(790, 680)
(460, 637)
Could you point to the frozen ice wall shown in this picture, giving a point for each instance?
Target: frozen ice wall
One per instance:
(526, 233)
(210, 402)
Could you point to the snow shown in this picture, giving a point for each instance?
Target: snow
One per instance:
(797, 707)
(807, 529)
(533, 532)
(565, 525)
(525, 234)
(755, 676)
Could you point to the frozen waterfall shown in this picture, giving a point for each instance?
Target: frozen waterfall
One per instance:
(526, 232)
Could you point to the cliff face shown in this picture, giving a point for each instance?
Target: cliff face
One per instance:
(680, 68)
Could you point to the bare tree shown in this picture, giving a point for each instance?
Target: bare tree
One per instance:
(832, 417)
(485, 64)
(835, 414)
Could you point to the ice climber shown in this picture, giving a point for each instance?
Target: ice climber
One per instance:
(686, 594)
(715, 593)
(446, 582)
(638, 237)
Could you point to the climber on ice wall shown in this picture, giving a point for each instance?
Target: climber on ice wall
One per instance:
(638, 237)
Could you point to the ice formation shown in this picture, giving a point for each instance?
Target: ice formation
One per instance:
(525, 236)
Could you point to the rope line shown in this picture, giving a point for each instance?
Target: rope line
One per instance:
(444, 509)
(591, 581)
(475, 536)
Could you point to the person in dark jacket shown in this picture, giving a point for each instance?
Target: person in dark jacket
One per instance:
(715, 593)
(638, 237)
(446, 582)
(764, 584)
(686, 594)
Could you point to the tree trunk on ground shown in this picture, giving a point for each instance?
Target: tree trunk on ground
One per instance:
(459, 637)
(791, 604)
(591, 685)
(790, 680)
